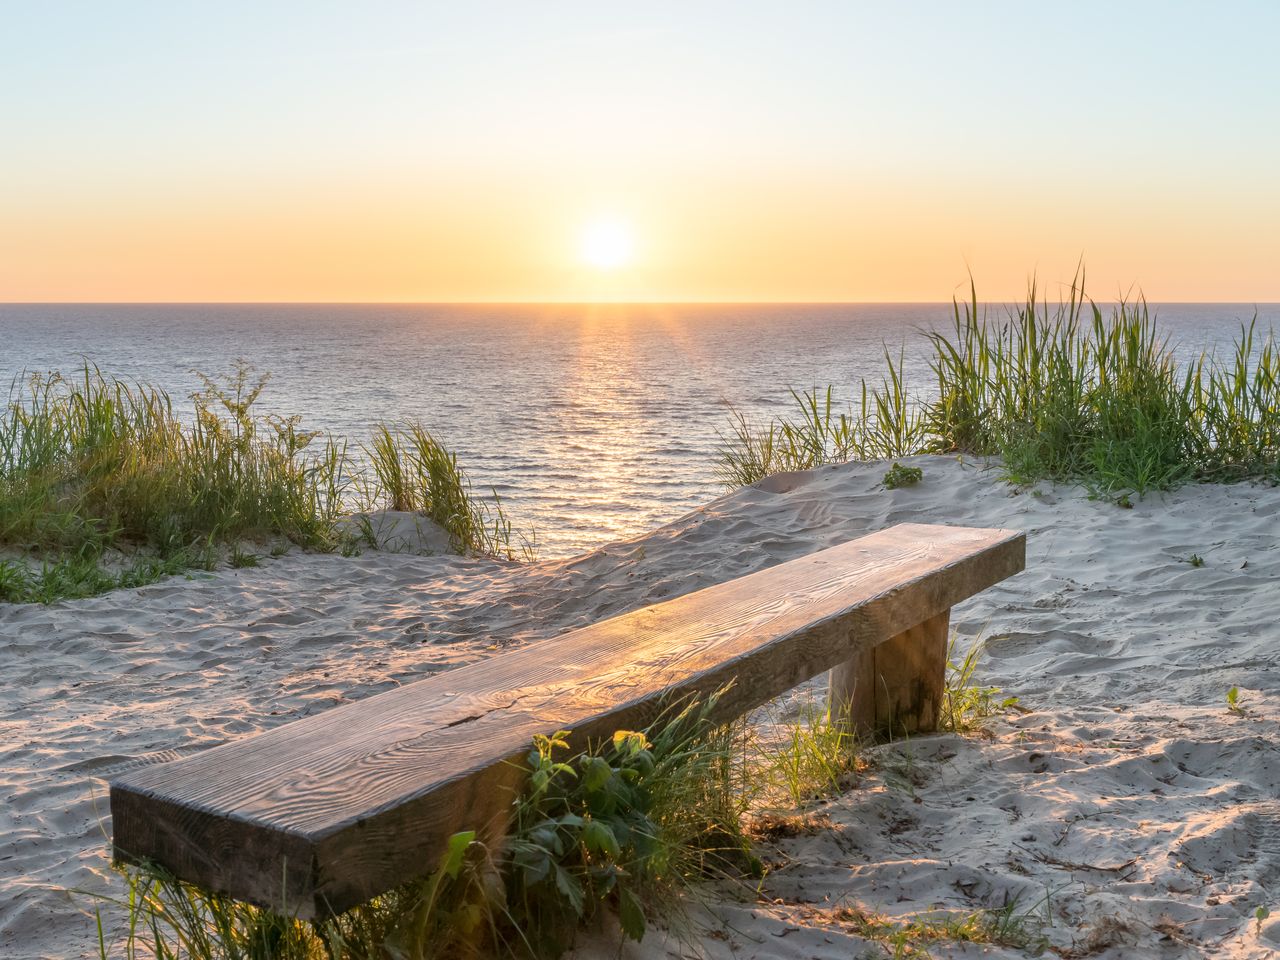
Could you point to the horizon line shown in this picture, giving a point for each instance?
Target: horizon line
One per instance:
(582, 303)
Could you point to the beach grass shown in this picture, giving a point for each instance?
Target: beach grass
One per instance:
(967, 704)
(1063, 393)
(413, 471)
(104, 484)
(818, 755)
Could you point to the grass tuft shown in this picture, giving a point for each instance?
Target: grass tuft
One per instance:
(818, 756)
(966, 703)
(413, 471)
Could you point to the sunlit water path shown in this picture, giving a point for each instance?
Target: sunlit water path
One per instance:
(591, 422)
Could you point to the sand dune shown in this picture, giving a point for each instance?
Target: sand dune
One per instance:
(1147, 812)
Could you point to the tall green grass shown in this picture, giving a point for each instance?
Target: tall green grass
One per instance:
(413, 471)
(1060, 393)
(103, 483)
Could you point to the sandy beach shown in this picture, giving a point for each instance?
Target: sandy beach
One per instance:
(1127, 805)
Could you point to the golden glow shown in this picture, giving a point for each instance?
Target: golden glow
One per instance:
(469, 236)
(607, 244)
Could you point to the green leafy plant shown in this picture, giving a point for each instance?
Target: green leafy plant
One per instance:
(634, 823)
(900, 476)
(1195, 560)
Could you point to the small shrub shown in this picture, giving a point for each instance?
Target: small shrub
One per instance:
(900, 476)
(633, 823)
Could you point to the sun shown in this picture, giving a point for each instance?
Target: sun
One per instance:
(607, 244)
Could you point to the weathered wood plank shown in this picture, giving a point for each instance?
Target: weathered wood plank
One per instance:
(896, 687)
(325, 812)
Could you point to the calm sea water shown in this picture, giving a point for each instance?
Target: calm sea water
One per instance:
(592, 422)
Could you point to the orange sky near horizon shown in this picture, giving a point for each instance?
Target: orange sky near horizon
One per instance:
(465, 163)
(465, 242)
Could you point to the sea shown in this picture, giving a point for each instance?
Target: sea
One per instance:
(591, 422)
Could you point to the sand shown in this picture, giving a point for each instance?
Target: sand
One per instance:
(1134, 812)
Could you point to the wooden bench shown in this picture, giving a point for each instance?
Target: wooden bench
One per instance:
(325, 812)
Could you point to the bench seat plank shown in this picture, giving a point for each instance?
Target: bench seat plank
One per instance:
(322, 813)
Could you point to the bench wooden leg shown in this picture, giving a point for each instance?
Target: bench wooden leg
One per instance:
(895, 688)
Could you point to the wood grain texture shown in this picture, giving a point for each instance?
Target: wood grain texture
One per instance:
(325, 812)
(895, 688)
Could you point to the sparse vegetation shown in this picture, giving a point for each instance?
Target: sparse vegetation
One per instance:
(103, 484)
(966, 703)
(241, 558)
(76, 576)
(885, 424)
(1062, 394)
(911, 936)
(817, 756)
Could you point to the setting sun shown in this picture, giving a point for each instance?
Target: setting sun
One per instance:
(607, 244)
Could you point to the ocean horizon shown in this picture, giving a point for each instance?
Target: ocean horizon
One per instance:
(591, 421)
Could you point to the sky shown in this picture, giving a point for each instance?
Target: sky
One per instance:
(738, 151)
